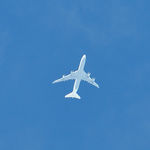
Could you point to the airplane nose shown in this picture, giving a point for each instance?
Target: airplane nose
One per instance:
(84, 56)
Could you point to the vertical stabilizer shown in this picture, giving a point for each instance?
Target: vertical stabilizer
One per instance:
(72, 95)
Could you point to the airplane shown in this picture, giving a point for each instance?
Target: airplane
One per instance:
(77, 75)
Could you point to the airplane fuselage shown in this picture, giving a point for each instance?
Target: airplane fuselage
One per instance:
(82, 63)
(79, 74)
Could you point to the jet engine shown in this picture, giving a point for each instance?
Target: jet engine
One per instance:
(88, 74)
(93, 79)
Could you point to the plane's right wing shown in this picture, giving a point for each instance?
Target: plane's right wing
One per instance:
(70, 76)
(88, 79)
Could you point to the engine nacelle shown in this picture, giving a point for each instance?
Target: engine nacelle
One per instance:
(93, 79)
(89, 74)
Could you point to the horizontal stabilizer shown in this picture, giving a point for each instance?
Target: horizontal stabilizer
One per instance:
(73, 95)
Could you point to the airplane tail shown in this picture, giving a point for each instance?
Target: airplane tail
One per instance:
(73, 95)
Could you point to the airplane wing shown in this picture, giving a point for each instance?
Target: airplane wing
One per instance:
(70, 76)
(88, 79)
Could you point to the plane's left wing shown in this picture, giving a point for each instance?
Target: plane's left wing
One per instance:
(70, 76)
(88, 79)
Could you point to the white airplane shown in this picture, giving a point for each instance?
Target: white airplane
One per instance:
(78, 75)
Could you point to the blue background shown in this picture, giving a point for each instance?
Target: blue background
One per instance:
(42, 40)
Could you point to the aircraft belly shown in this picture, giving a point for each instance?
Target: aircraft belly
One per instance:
(76, 85)
(82, 63)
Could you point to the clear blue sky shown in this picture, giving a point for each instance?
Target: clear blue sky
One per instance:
(40, 40)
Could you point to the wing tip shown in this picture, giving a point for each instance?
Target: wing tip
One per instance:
(97, 85)
(54, 82)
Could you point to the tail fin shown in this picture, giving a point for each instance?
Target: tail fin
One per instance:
(73, 95)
